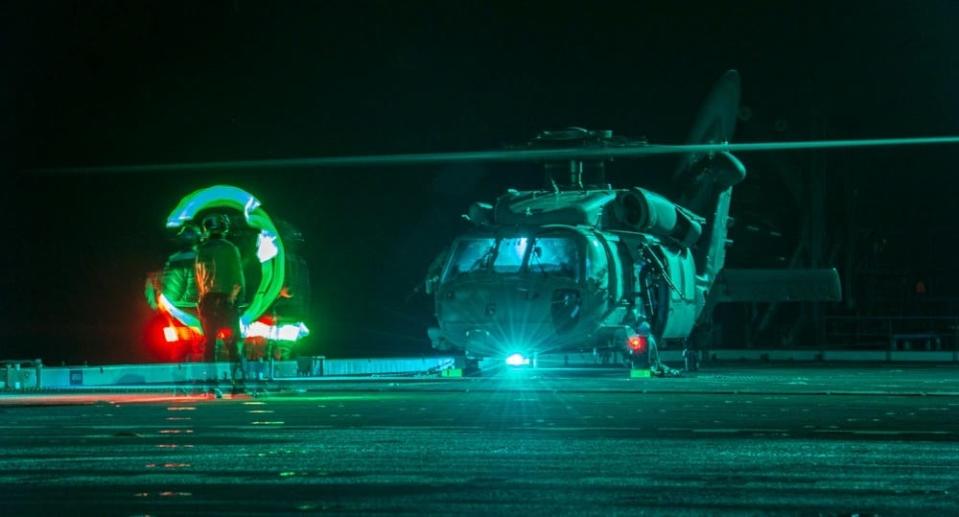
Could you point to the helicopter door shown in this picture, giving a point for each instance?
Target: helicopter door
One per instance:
(555, 262)
(614, 255)
(669, 289)
(604, 267)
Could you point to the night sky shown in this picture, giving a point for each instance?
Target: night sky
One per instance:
(105, 83)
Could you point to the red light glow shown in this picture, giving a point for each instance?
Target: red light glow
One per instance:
(638, 343)
(168, 341)
(174, 334)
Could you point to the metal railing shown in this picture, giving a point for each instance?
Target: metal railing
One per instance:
(903, 333)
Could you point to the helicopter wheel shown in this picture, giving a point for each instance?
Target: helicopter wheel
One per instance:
(471, 367)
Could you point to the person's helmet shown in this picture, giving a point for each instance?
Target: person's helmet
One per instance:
(188, 234)
(215, 224)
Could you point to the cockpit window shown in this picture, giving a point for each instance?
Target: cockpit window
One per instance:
(546, 255)
(555, 256)
(509, 255)
(470, 255)
(597, 264)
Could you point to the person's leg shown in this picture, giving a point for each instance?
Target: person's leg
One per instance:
(208, 342)
(206, 310)
(217, 320)
(234, 343)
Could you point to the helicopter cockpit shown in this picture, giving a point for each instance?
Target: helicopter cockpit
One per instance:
(549, 254)
(559, 273)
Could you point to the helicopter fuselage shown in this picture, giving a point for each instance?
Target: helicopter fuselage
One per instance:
(562, 271)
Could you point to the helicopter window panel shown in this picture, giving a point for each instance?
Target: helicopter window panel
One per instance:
(509, 256)
(555, 256)
(470, 255)
(597, 264)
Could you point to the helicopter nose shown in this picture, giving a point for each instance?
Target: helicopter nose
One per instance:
(514, 316)
(527, 293)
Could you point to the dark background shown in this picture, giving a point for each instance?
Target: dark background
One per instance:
(105, 82)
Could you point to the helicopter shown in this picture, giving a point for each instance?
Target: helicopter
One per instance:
(584, 265)
(580, 264)
(272, 312)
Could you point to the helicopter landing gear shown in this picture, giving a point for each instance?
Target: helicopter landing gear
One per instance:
(690, 358)
(464, 366)
(471, 367)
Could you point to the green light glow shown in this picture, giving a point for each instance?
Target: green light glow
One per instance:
(631, 151)
(273, 268)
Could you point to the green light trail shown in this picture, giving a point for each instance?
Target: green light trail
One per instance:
(272, 268)
(635, 151)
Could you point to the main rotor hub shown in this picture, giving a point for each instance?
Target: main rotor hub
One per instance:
(576, 169)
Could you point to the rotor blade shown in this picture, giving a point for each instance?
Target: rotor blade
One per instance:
(715, 122)
(635, 151)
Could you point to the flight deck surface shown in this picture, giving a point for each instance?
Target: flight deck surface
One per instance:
(755, 439)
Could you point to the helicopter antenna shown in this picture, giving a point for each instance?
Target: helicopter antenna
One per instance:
(553, 184)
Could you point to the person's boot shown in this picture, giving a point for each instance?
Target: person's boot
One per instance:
(215, 390)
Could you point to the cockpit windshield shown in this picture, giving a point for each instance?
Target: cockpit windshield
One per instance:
(544, 255)
(555, 256)
(471, 255)
(510, 255)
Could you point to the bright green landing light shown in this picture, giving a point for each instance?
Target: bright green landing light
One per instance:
(517, 360)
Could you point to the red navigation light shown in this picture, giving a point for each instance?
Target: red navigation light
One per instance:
(170, 334)
(166, 340)
(224, 333)
(638, 343)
